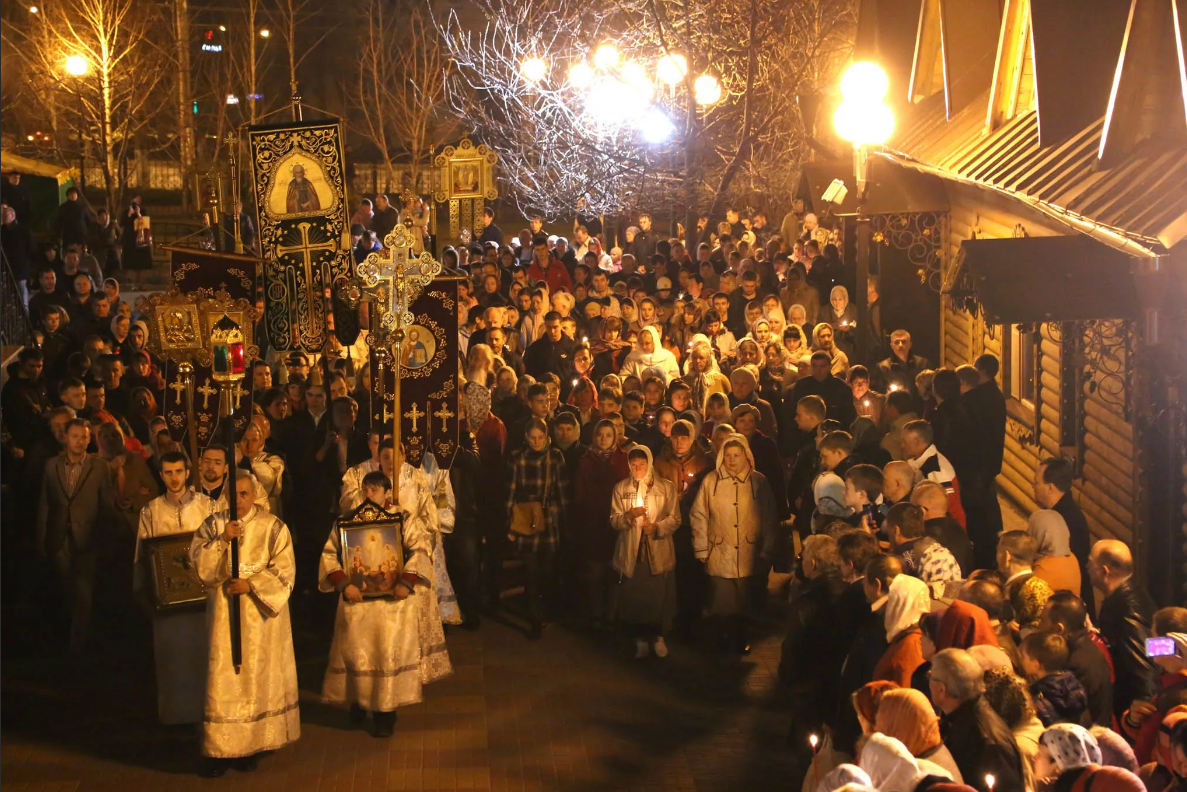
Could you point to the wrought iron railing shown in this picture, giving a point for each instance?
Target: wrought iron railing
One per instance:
(14, 319)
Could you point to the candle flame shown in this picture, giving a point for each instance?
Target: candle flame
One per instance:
(990, 780)
(813, 740)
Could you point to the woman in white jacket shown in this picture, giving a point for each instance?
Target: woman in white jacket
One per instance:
(645, 512)
(649, 358)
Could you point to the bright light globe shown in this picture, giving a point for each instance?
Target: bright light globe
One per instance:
(656, 127)
(534, 69)
(606, 56)
(864, 123)
(634, 75)
(581, 75)
(864, 81)
(671, 68)
(706, 89)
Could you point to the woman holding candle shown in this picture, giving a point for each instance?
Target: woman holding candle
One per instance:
(645, 512)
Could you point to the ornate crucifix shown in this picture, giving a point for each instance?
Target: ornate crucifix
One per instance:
(313, 287)
(206, 392)
(391, 280)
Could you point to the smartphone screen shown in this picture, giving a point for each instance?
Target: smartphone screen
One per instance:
(1160, 647)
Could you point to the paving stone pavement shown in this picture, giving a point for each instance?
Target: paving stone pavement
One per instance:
(572, 712)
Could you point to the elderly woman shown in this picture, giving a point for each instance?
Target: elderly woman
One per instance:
(268, 468)
(823, 341)
(645, 511)
(734, 524)
(1055, 563)
(909, 717)
(649, 358)
(891, 766)
(1069, 758)
(481, 365)
(908, 599)
(842, 315)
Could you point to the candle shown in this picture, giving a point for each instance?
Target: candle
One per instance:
(990, 781)
(894, 386)
(866, 402)
(813, 740)
(574, 383)
(585, 339)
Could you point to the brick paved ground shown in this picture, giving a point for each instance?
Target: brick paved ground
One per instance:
(572, 712)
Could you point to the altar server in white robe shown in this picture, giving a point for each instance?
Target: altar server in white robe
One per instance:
(413, 483)
(179, 637)
(256, 709)
(352, 479)
(385, 649)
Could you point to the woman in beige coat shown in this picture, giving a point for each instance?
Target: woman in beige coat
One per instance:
(645, 511)
(734, 525)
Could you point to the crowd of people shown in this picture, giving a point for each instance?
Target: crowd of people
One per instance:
(677, 441)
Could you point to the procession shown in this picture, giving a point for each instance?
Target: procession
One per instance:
(579, 444)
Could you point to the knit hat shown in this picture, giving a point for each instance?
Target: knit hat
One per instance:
(1114, 750)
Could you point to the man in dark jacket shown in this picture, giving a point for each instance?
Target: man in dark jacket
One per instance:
(19, 250)
(837, 395)
(73, 219)
(490, 231)
(552, 353)
(1053, 490)
(813, 649)
(1066, 615)
(25, 399)
(1125, 617)
(986, 409)
(898, 371)
(644, 244)
(384, 219)
(939, 525)
(463, 544)
(979, 740)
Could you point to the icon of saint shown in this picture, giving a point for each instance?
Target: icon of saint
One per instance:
(301, 196)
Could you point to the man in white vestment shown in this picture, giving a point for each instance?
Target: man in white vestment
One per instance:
(352, 480)
(254, 710)
(179, 637)
(385, 648)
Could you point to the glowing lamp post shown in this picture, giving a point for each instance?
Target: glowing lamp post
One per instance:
(864, 120)
(228, 368)
(77, 67)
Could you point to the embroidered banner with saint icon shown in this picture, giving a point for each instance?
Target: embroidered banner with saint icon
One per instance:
(300, 188)
(429, 374)
(199, 275)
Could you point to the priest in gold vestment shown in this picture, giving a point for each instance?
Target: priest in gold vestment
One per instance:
(254, 710)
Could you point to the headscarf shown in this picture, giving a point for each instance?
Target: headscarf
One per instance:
(733, 439)
(892, 767)
(963, 625)
(906, 602)
(593, 445)
(1114, 750)
(843, 292)
(1071, 746)
(1050, 532)
(143, 325)
(842, 776)
(868, 698)
(906, 715)
(476, 400)
(990, 657)
(816, 330)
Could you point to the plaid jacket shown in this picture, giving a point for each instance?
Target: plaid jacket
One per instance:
(526, 468)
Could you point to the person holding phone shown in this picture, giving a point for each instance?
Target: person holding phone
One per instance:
(1166, 649)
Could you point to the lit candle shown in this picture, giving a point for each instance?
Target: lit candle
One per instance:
(990, 781)
(575, 384)
(894, 386)
(865, 403)
(585, 339)
(813, 740)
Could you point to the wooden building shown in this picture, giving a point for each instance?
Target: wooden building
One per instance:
(1044, 147)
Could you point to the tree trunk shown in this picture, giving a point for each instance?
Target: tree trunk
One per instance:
(185, 115)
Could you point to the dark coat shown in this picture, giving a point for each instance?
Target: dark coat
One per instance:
(986, 407)
(1080, 540)
(1091, 667)
(838, 399)
(1124, 621)
(813, 649)
(72, 222)
(982, 744)
(948, 532)
(546, 356)
(19, 249)
(892, 370)
(868, 646)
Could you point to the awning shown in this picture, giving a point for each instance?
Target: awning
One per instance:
(890, 189)
(10, 162)
(1049, 279)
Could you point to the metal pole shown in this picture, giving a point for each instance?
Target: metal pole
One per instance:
(863, 257)
(82, 150)
(233, 607)
(186, 371)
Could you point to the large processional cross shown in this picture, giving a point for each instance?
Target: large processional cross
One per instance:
(391, 280)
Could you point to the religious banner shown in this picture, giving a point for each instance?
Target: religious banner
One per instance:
(465, 178)
(203, 280)
(429, 372)
(300, 188)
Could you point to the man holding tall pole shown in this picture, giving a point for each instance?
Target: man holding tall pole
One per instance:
(253, 707)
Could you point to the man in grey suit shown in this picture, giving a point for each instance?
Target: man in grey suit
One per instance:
(77, 500)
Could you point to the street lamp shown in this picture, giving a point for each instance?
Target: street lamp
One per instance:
(77, 67)
(534, 69)
(706, 90)
(265, 33)
(671, 69)
(581, 74)
(606, 56)
(864, 120)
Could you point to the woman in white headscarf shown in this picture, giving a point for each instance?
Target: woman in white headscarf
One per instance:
(842, 315)
(650, 359)
(908, 599)
(824, 340)
(645, 512)
(1055, 563)
(1066, 750)
(734, 522)
(891, 767)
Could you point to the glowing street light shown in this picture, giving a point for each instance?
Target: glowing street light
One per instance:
(34, 10)
(77, 66)
(581, 75)
(706, 89)
(863, 118)
(656, 126)
(671, 68)
(265, 33)
(534, 69)
(606, 56)
(634, 75)
(222, 28)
